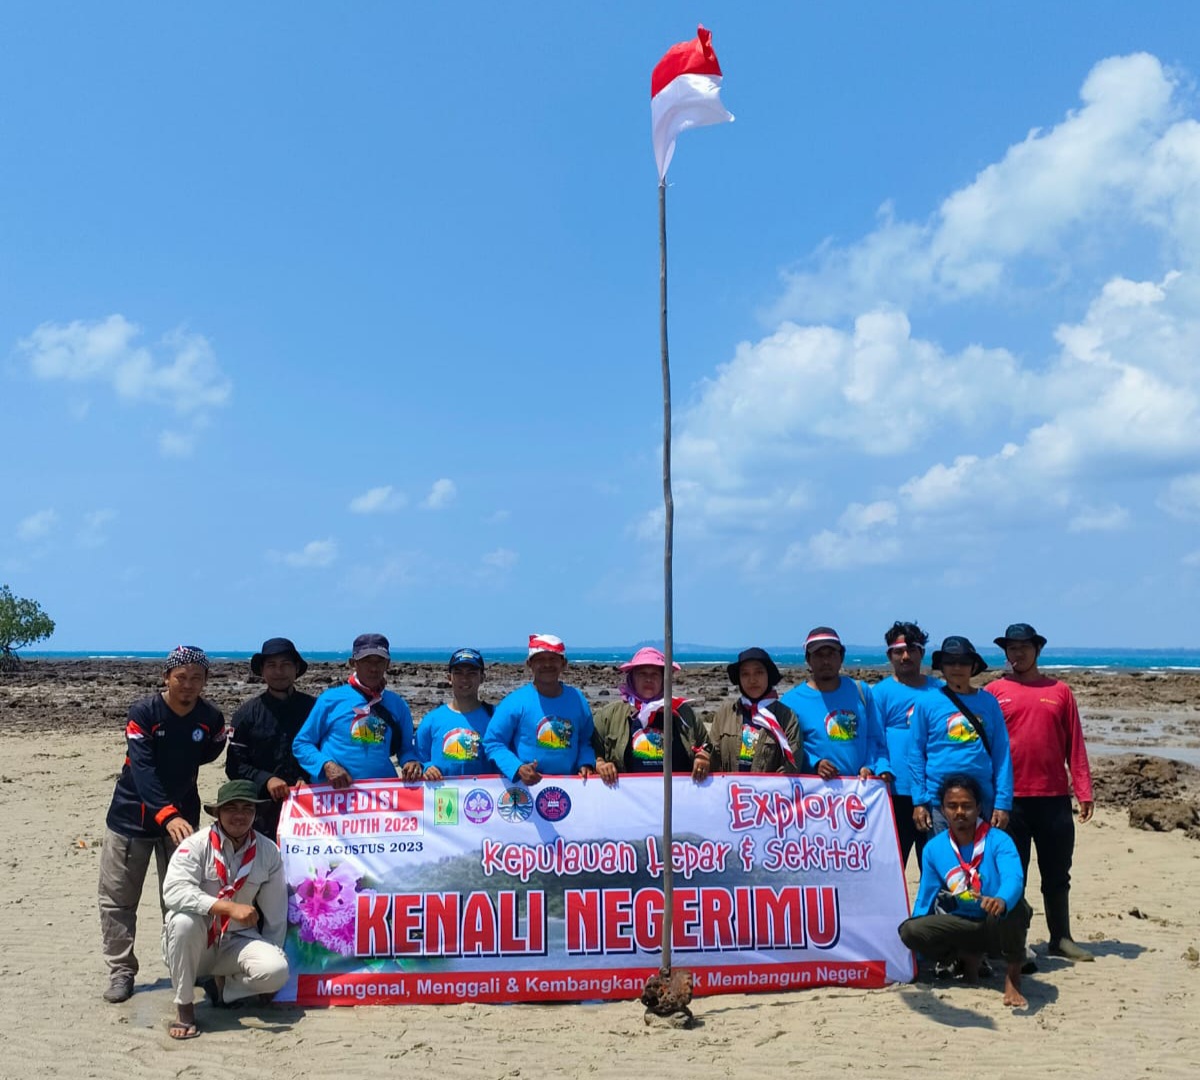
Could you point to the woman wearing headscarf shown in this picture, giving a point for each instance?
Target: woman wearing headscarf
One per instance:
(757, 732)
(629, 734)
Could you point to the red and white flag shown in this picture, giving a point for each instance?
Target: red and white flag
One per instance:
(685, 92)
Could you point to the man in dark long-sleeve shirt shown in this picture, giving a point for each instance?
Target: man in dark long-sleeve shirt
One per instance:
(155, 803)
(263, 728)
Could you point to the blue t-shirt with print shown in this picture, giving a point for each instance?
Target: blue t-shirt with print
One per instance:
(895, 702)
(453, 741)
(943, 742)
(840, 725)
(556, 732)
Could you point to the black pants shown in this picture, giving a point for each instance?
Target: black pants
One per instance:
(945, 937)
(909, 835)
(1047, 823)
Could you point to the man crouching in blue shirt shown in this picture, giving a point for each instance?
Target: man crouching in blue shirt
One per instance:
(544, 727)
(971, 899)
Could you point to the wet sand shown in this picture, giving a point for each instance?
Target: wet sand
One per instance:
(1133, 1012)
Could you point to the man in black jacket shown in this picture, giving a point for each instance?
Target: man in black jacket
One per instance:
(263, 728)
(155, 803)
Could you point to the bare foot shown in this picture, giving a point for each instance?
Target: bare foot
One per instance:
(1012, 987)
(185, 1026)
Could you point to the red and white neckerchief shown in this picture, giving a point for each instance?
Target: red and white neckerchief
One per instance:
(760, 716)
(229, 889)
(374, 697)
(647, 711)
(963, 880)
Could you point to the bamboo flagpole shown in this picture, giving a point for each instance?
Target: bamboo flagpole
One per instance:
(684, 92)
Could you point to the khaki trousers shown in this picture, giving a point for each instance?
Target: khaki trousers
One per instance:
(250, 964)
(124, 861)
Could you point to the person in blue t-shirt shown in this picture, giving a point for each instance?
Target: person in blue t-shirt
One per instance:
(971, 898)
(450, 737)
(840, 729)
(959, 729)
(896, 698)
(544, 727)
(354, 730)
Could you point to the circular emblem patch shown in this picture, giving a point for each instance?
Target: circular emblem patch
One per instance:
(516, 804)
(197, 734)
(553, 803)
(478, 806)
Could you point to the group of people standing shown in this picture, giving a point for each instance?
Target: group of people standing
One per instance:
(1015, 748)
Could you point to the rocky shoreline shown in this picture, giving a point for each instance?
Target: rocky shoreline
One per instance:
(1143, 727)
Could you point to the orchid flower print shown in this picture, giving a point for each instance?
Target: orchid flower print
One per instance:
(322, 903)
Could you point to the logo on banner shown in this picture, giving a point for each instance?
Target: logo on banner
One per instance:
(445, 806)
(841, 724)
(516, 804)
(478, 806)
(553, 803)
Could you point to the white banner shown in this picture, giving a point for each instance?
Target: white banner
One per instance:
(483, 890)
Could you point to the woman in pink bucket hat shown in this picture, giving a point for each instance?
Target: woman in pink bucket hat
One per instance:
(629, 733)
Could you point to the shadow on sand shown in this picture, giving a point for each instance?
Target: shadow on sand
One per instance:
(947, 1001)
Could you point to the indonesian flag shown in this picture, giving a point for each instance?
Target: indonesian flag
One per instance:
(685, 92)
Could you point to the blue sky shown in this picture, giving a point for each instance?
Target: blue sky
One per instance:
(319, 319)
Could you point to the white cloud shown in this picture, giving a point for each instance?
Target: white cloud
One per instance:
(93, 533)
(497, 517)
(500, 559)
(178, 444)
(1099, 519)
(180, 372)
(864, 537)
(807, 392)
(187, 378)
(1126, 147)
(316, 553)
(1181, 498)
(37, 525)
(377, 500)
(441, 495)
(393, 570)
(1064, 423)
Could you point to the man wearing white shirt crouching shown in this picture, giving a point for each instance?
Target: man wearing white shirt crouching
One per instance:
(219, 881)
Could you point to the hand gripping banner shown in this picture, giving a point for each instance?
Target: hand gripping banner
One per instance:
(479, 889)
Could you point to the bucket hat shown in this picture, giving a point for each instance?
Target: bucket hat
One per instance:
(277, 646)
(234, 791)
(648, 656)
(1021, 631)
(763, 657)
(957, 647)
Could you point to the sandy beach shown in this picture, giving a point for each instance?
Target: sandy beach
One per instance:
(1132, 1013)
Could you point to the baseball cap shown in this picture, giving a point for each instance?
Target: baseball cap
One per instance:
(371, 645)
(466, 658)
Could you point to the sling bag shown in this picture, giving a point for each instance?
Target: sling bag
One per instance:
(974, 720)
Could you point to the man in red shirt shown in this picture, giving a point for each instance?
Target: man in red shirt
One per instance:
(1046, 740)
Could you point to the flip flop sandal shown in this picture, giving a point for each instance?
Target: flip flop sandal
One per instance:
(180, 1030)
